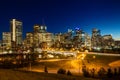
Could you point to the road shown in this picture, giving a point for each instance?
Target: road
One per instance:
(106, 54)
(74, 52)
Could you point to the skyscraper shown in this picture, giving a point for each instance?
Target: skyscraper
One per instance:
(96, 38)
(16, 31)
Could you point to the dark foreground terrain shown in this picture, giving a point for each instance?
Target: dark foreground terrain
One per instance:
(8, 74)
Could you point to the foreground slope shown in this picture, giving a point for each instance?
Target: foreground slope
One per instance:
(7, 74)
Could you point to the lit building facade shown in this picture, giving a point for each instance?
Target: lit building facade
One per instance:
(6, 39)
(58, 40)
(39, 38)
(29, 39)
(46, 38)
(83, 39)
(66, 39)
(43, 29)
(57, 37)
(87, 42)
(117, 44)
(96, 39)
(107, 42)
(40, 28)
(16, 31)
(36, 28)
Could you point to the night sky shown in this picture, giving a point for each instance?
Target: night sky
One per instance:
(59, 15)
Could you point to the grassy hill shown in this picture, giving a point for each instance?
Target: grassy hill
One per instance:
(89, 61)
(8, 74)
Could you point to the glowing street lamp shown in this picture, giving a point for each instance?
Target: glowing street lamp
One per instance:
(86, 51)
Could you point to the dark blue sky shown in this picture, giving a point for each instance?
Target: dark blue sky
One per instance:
(59, 15)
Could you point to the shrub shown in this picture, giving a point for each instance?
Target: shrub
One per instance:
(69, 73)
(61, 71)
(86, 73)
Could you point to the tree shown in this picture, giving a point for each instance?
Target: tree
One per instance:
(109, 73)
(61, 71)
(115, 71)
(101, 72)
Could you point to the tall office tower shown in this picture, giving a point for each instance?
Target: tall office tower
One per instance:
(16, 31)
(96, 38)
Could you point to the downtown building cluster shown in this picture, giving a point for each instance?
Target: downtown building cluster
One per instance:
(40, 39)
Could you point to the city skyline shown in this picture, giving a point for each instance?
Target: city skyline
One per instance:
(61, 15)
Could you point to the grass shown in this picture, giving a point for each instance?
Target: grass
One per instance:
(104, 59)
(6, 74)
(101, 60)
(90, 62)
